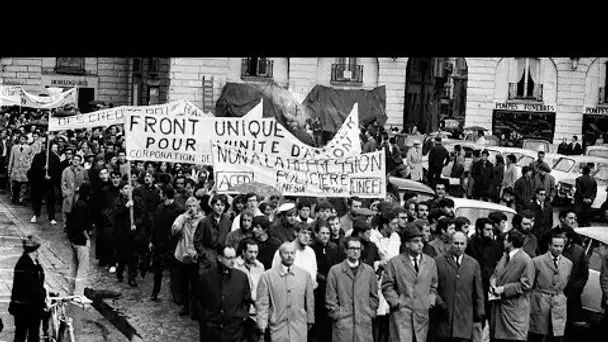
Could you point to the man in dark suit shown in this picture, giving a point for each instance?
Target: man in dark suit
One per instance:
(543, 213)
(438, 158)
(562, 148)
(586, 190)
(460, 292)
(29, 298)
(575, 148)
(482, 173)
(5, 150)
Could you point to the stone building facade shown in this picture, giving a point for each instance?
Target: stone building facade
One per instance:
(561, 97)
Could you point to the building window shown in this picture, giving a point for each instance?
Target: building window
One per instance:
(256, 67)
(137, 67)
(154, 66)
(528, 85)
(603, 99)
(346, 70)
(69, 65)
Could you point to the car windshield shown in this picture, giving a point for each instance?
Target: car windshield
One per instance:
(536, 145)
(598, 153)
(524, 161)
(594, 252)
(474, 213)
(564, 165)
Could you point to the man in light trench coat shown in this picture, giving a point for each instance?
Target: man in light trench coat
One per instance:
(409, 285)
(548, 303)
(352, 296)
(285, 299)
(510, 287)
(460, 292)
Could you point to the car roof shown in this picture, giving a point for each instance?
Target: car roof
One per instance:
(596, 147)
(596, 233)
(465, 202)
(588, 159)
(410, 185)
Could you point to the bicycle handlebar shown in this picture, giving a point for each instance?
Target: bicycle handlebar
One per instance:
(76, 299)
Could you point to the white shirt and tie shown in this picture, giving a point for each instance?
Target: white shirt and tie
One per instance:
(416, 262)
(458, 260)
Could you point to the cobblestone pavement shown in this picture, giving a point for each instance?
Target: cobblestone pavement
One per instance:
(89, 324)
(132, 311)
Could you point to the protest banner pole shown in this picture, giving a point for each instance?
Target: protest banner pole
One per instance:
(131, 213)
(48, 147)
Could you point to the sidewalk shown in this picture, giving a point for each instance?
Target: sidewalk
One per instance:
(89, 325)
(132, 313)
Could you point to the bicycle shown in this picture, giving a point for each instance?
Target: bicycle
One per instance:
(57, 323)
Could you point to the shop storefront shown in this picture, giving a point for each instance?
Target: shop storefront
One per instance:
(595, 124)
(531, 120)
(87, 87)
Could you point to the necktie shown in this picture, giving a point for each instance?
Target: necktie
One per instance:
(556, 262)
(416, 265)
(288, 269)
(21, 149)
(457, 261)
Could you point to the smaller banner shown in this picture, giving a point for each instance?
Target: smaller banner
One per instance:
(363, 175)
(10, 95)
(115, 116)
(48, 102)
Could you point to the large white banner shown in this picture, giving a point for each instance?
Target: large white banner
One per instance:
(116, 116)
(363, 175)
(188, 139)
(10, 95)
(17, 96)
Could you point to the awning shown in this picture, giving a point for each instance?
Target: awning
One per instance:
(332, 106)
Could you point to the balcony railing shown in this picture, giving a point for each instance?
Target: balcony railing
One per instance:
(346, 73)
(256, 68)
(602, 96)
(69, 65)
(537, 93)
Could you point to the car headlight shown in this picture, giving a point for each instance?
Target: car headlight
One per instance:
(559, 186)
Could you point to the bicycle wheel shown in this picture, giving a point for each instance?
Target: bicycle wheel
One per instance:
(53, 325)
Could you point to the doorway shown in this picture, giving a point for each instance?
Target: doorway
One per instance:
(435, 90)
(85, 96)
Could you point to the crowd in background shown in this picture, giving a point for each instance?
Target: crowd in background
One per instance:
(254, 266)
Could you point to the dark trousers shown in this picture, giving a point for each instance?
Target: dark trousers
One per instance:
(161, 259)
(583, 214)
(16, 190)
(27, 328)
(232, 332)
(434, 175)
(105, 245)
(40, 191)
(251, 333)
(452, 340)
(129, 259)
(189, 285)
(381, 326)
(532, 337)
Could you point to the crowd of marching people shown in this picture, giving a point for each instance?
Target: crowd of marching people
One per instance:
(258, 267)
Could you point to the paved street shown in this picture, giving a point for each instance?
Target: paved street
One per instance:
(132, 312)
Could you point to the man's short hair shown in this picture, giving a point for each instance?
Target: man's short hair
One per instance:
(303, 226)
(443, 223)
(435, 214)
(525, 169)
(245, 243)
(564, 213)
(320, 224)
(586, 170)
(481, 222)
(350, 239)
(304, 203)
(332, 218)
(446, 202)
(219, 197)
(497, 216)
(189, 181)
(169, 191)
(261, 221)
(249, 195)
(539, 189)
(116, 174)
(221, 247)
(516, 238)
(527, 214)
(461, 221)
(352, 199)
(439, 184)
(323, 205)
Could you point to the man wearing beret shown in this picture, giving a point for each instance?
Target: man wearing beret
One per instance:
(283, 228)
(409, 285)
(29, 298)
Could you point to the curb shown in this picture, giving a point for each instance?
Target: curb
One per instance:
(57, 284)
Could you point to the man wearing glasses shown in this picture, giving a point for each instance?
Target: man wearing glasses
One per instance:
(352, 296)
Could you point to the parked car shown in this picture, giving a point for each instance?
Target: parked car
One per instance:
(572, 166)
(595, 243)
(597, 151)
(407, 188)
(473, 209)
(536, 145)
(566, 188)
